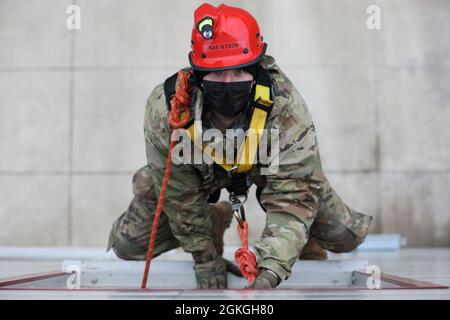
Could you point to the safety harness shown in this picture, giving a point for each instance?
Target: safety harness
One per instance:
(247, 151)
(177, 91)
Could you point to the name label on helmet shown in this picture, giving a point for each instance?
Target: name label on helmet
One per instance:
(225, 46)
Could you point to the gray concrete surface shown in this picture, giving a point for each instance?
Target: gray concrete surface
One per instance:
(72, 103)
(427, 264)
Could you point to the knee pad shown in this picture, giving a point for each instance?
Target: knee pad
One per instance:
(143, 183)
(338, 239)
(128, 251)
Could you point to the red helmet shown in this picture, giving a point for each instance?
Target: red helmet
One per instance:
(224, 38)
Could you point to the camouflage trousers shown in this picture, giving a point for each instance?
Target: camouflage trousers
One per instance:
(336, 227)
(130, 233)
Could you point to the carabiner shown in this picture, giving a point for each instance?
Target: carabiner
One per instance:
(238, 207)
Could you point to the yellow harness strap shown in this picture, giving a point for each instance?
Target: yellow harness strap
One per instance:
(247, 151)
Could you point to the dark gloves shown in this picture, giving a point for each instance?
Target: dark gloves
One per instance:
(211, 275)
(266, 279)
(211, 269)
(232, 268)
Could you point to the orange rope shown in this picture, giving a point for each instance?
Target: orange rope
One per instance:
(245, 258)
(179, 107)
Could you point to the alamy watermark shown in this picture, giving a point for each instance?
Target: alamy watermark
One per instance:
(373, 21)
(74, 19)
(374, 280)
(211, 145)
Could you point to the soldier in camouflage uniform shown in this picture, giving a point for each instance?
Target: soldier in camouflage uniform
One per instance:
(303, 212)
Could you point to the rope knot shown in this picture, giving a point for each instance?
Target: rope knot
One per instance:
(180, 114)
(245, 258)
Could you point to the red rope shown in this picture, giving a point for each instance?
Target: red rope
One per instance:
(179, 107)
(245, 258)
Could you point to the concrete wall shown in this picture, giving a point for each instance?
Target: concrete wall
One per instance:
(72, 104)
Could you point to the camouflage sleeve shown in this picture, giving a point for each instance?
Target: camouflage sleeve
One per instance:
(185, 206)
(291, 196)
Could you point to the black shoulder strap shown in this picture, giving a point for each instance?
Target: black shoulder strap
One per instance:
(169, 88)
(265, 79)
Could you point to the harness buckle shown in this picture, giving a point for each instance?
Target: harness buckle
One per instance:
(266, 103)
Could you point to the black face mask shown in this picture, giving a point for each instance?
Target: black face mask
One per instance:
(227, 98)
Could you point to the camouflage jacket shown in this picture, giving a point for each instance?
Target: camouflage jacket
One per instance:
(292, 194)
